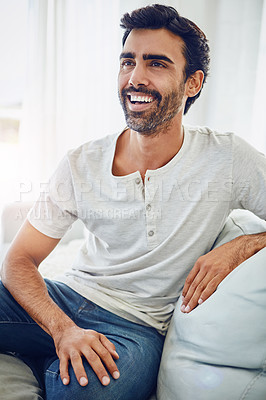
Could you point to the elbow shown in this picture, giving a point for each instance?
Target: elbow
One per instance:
(14, 267)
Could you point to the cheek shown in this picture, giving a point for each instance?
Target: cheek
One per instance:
(122, 81)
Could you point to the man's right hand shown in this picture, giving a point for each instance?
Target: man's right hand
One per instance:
(74, 343)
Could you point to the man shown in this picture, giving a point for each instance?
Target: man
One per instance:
(154, 199)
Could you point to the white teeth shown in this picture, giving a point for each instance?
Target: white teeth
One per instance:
(141, 99)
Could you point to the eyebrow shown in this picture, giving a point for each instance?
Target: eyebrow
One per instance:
(127, 55)
(147, 57)
(157, 57)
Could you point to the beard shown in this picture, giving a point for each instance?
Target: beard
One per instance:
(159, 115)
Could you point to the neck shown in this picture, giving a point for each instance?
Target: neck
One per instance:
(140, 152)
(155, 150)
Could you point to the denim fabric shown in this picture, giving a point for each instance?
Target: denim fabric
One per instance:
(139, 348)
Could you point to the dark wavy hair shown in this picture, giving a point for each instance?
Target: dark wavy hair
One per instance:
(195, 50)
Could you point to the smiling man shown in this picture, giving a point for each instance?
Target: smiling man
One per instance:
(159, 194)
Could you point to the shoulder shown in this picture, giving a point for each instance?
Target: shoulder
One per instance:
(202, 140)
(93, 149)
(90, 157)
(204, 133)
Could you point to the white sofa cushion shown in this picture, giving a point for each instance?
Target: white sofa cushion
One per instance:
(218, 351)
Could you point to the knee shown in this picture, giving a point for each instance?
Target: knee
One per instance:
(94, 390)
(55, 389)
(130, 386)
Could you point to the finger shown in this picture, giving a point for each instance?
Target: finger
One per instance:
(78, 368)
(193, 300)
(97, 365)
(199, 283)
(210, 288)
(109, 346)
(106, 356)
(199, 298)
(194, 294)
(190, 278)
(63, 366)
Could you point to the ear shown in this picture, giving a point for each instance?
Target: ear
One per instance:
(194, 83)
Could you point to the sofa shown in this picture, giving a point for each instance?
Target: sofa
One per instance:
(216, 352)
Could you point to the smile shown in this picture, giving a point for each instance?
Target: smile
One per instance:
(140, 99)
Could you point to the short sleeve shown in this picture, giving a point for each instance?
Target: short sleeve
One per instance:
(55, 210)
(249, 178)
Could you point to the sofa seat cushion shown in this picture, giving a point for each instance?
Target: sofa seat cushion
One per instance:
(17, 381)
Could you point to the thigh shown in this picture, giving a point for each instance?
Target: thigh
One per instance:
(139, 350)
(23, 337)
(19, 333)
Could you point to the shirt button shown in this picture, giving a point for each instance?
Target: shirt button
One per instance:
(148, 207)
(151, 233)
(137, 180)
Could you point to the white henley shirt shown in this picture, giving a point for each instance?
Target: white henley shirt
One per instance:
(144, 237)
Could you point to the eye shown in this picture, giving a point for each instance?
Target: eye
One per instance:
(127, 63)
(157, 64)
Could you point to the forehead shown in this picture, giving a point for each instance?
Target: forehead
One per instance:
(155, 41)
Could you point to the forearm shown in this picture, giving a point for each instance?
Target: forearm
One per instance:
(253, 243)
(243, 247)
(23, 280)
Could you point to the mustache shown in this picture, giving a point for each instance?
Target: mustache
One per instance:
(144, 90)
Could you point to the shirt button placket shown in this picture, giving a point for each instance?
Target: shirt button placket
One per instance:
(139, 189)
(150, 222)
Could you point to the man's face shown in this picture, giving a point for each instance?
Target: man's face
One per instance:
(151, 83)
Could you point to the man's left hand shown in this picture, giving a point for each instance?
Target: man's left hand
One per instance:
(210, 269)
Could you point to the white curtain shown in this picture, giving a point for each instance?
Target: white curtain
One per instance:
(258, 130)
(74, 47)
(71, 92)
(235, 48)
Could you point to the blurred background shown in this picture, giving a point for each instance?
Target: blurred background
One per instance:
(58, 79)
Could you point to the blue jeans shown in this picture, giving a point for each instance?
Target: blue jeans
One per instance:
(139, 348)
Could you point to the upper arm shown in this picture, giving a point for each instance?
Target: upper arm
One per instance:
(31, 244)
(249, 177)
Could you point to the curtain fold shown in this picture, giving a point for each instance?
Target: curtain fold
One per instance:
(74, 47)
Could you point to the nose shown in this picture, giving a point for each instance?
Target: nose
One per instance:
(138, 77)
